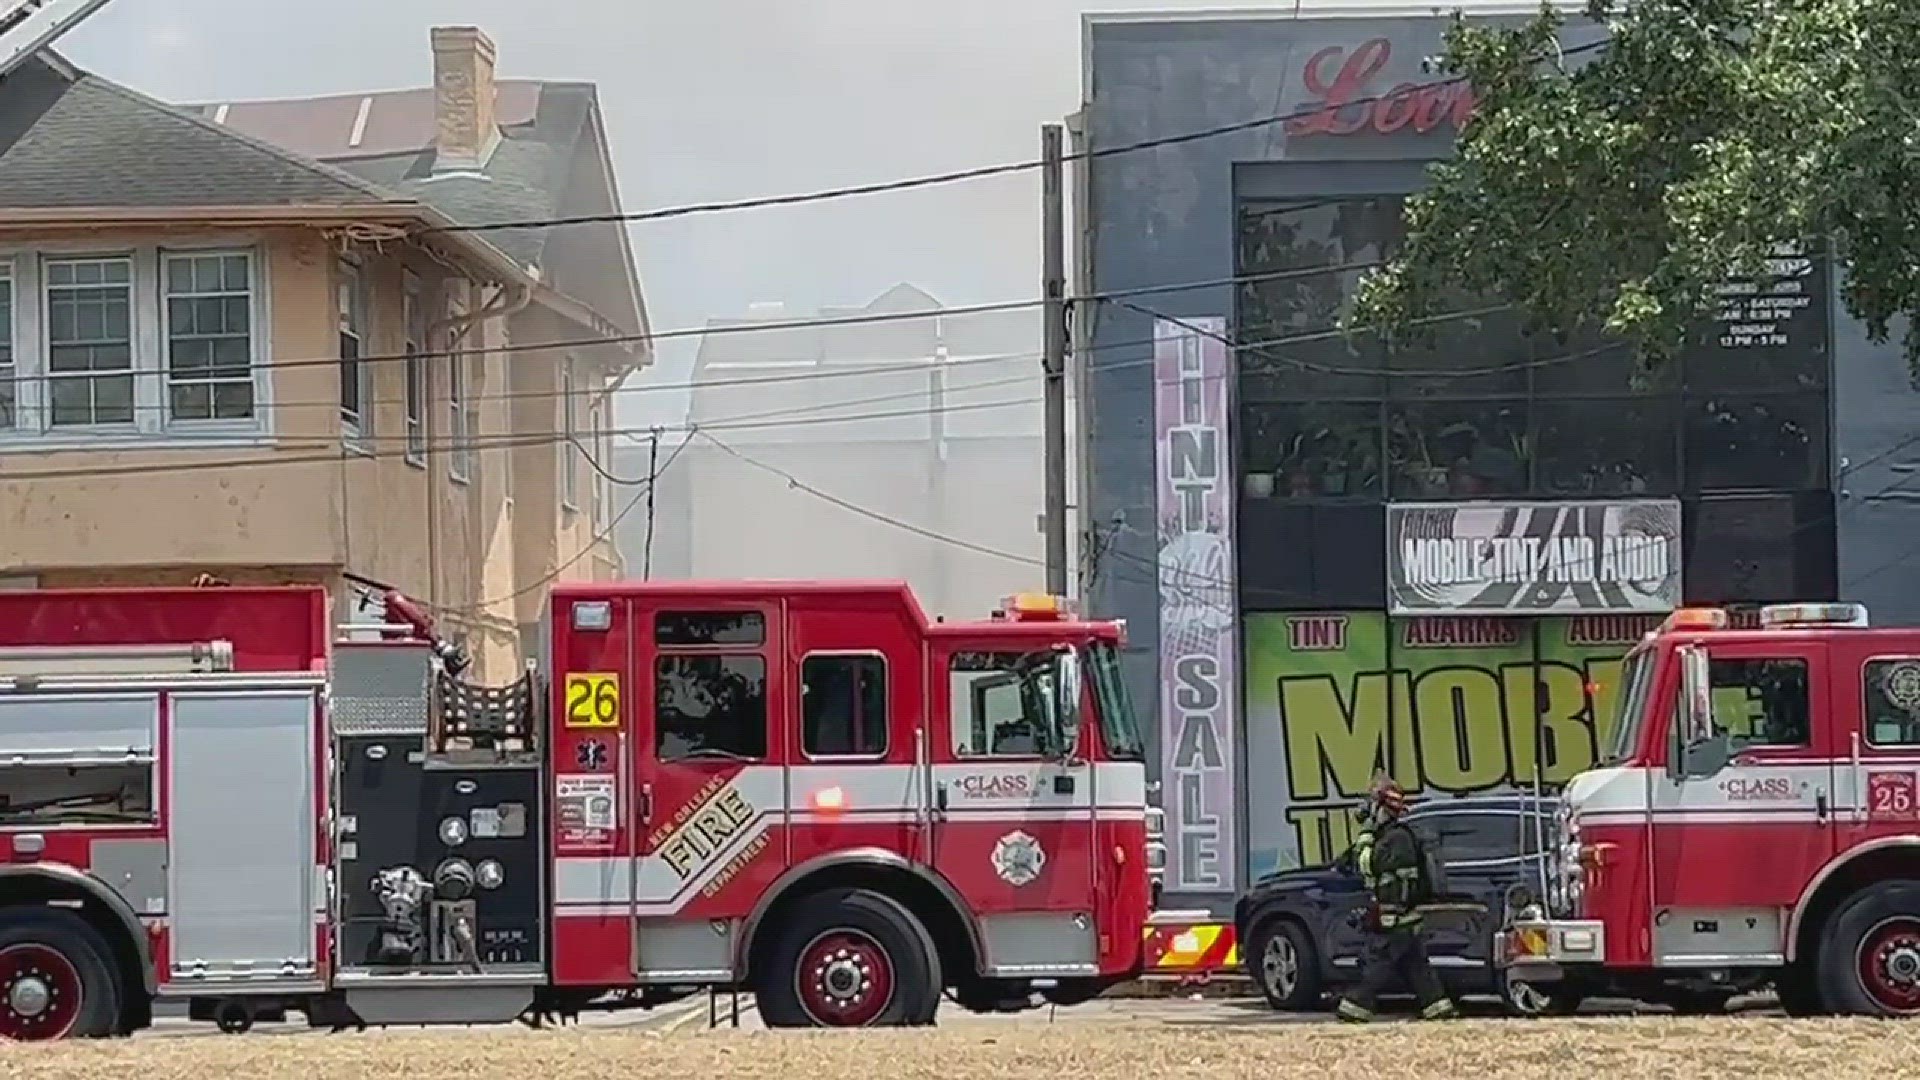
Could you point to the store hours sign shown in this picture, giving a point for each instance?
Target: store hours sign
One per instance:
(1523, 558)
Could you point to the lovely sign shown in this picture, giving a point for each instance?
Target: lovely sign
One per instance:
(1348, 101)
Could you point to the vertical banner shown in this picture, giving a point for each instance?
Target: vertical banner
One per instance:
(1199, 736)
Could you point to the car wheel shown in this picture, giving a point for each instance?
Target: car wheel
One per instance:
(1285, 965)
(1526, 999)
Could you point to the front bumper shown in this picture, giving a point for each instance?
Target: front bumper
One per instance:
(1541, 950)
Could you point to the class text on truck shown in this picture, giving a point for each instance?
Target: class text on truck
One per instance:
(807, 790)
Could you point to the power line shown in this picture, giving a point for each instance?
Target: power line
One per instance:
(330, 449)
(874, 515)
(599, 537)
(978, 172)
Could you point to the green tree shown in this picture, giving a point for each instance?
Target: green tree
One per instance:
(1615, 185)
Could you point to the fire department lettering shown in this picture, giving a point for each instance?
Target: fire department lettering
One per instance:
(703, 836)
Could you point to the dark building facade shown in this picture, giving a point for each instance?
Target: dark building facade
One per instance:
(1336, 558)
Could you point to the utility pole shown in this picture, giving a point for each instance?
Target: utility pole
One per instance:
(1053, 287)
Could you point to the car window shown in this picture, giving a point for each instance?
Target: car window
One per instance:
(1475, 836)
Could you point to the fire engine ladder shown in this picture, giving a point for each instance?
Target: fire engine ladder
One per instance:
(27, 26)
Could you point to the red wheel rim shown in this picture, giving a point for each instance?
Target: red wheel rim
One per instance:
(1889, 965)
(40, 993)
(845, 979)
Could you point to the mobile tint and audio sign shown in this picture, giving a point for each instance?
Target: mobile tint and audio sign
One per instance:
(1520, 558)
(1199, 618)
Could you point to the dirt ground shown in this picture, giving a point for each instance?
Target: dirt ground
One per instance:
(1480, 1049)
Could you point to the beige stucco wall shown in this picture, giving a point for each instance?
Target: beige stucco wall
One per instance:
(298, 507)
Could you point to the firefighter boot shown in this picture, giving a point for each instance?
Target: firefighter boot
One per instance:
(1352, 1012)
(1442, 1009)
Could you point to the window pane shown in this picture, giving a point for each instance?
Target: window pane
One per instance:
(1623, 446)
(1315, 449)
(1000, 703)
(843, 704)
(209, 336)
(1765, 443)
(709, 628)
(1314, 238)
(51, 794)
(1475, 837)
(1457, 450)
(89, 330)
(711, 706)
(1591, 362)
(7, 371)
(1893, 702)
(1761, 702)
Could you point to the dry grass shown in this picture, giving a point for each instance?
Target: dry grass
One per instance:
(1614, 1049)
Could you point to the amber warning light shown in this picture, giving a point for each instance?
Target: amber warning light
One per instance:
(1696, 619)
(1034, 607)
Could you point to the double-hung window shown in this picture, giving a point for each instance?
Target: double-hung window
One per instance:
(569, 448)
(89, 325)
(130, 344)
(209, 329)
(459, 411)
(416, 393)
(356, 398)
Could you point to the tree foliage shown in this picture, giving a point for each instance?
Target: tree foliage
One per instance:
(1616, 185)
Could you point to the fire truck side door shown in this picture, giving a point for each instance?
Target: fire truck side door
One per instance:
(1732, 846)
(707, 773)
(1013, 825)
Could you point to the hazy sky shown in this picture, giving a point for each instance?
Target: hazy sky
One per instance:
(709, 99)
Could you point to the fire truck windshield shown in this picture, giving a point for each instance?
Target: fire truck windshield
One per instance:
(1630, 718)
(1119, 727)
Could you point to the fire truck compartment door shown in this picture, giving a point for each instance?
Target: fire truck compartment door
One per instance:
(242, 871)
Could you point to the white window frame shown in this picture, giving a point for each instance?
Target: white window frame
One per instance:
(350, 292)
(166, 257)
(569, 455)
(459, 407)
(49, 379)
(603, 453)
(416, 381)
(153, 424)
(10, 370)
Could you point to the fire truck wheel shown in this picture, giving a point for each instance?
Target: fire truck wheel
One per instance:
(850, 958)
(1870, 953)
(55, 979)
(1285, 964)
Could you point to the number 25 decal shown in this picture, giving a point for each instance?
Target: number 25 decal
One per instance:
(1891, 796)
(593, 701)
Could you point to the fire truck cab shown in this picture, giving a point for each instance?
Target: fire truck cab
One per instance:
(1754, 821)
(807, 790)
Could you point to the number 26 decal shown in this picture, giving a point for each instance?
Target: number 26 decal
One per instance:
(593, 701)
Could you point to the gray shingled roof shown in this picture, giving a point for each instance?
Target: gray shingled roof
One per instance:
(525, 176)
(73, 139)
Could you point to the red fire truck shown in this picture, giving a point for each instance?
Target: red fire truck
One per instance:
(1754, 822)
(806, 790)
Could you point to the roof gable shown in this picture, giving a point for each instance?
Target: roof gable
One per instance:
(73, 139)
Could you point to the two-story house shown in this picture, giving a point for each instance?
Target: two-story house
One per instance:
(220, 354)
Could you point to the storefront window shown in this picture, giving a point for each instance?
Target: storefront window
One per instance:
(1313, 449)
(1480, 404)
(1756, 443)
(1633, 453)
(1458, 450)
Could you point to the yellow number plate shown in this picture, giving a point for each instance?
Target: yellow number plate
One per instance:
(593, 700)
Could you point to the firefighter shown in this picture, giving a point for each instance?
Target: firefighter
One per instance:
(1393, 864)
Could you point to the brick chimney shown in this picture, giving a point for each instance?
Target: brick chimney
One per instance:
(463, 97)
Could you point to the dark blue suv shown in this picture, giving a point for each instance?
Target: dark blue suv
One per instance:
(1299, 930)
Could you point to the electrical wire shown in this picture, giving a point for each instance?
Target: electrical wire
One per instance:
(329, 449)
(978, 172)
(599, 536)
(798, 484)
